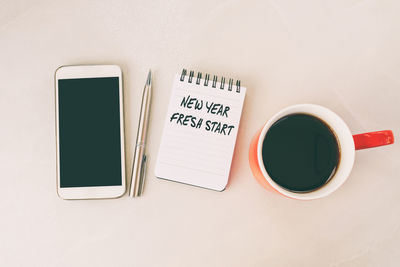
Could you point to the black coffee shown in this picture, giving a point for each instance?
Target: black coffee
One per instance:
(300, 152)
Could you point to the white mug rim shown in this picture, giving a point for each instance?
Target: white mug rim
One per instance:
(346, 146)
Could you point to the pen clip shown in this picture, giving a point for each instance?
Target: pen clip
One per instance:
(142, 175)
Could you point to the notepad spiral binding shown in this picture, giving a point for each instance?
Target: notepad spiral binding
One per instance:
(207, 79)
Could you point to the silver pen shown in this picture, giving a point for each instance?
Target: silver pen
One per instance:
(139, 160)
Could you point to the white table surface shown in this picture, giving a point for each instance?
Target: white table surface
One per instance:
(340, 54)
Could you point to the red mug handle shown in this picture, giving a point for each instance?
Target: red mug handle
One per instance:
(373, 139)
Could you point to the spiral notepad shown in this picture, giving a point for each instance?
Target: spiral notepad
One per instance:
(200, 130)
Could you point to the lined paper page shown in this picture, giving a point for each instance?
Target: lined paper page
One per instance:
(199, 134)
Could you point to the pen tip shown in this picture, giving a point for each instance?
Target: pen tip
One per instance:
(148, 82)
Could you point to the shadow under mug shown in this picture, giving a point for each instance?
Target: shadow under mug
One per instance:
(347, 142)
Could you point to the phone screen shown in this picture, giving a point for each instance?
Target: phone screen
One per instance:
(89, 132)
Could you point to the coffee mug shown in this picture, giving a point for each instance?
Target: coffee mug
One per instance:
(346, 143)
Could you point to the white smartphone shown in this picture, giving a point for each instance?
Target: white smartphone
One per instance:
(90, 132)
